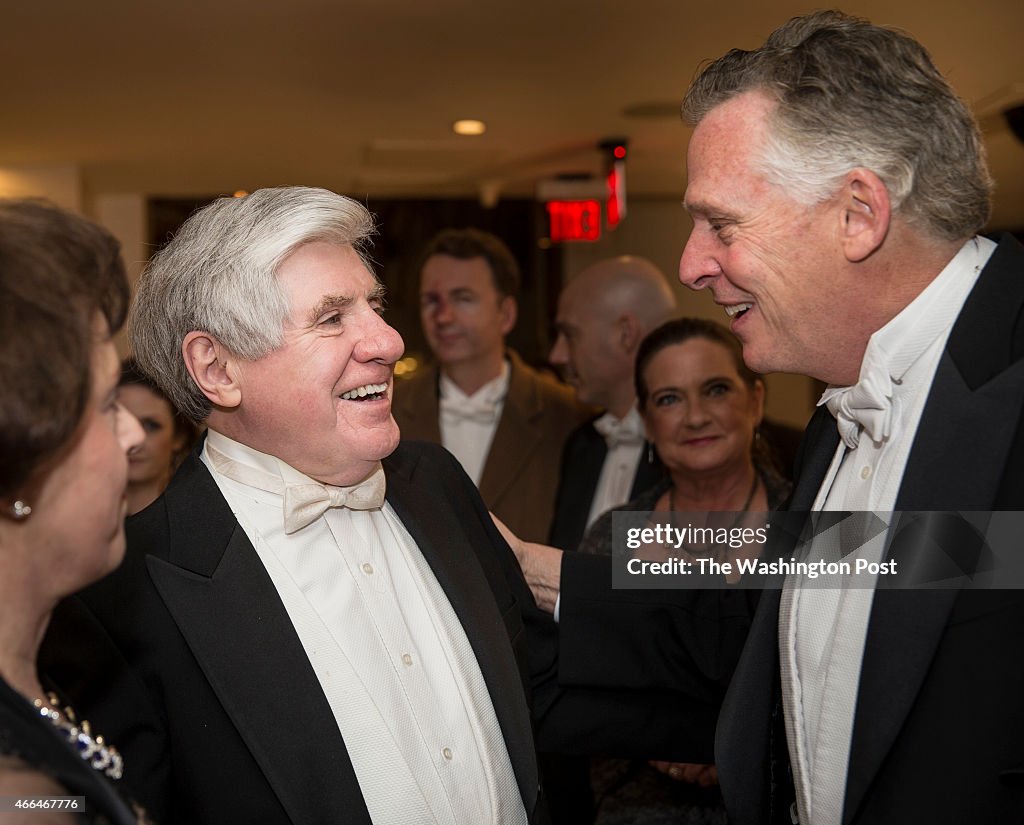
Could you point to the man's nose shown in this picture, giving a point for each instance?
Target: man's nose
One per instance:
(697, 265)
(380, 342)
(442, 312)
(559, 355)
(129, 430)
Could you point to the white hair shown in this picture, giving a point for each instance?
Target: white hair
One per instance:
(219, 275)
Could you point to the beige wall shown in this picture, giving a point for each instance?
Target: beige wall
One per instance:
(60, 184)
(124, 215)
(657, 230)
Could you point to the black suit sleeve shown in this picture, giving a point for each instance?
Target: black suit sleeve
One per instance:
(641, 673)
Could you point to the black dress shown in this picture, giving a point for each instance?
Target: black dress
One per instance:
(36, 742)
(630, 792)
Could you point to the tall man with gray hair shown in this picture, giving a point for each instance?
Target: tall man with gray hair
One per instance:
(837, 186)
(313, 624)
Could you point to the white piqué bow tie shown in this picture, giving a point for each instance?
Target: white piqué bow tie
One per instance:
(615, 431)
(866, 405)
(304, 502)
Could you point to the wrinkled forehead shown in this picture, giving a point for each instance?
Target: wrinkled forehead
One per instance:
(725, 149)
(322, 272)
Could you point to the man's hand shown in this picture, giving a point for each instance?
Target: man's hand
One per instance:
(542, 566)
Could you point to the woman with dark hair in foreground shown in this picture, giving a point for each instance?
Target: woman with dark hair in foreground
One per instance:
(63, 468)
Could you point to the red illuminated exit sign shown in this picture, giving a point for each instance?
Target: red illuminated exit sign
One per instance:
(574, 220)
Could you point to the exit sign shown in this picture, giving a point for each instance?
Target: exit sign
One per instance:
(574, 220)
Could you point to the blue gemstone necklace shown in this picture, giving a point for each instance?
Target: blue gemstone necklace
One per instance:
(93, 749)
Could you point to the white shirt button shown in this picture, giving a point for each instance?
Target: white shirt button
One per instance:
(865, 472)
(406, 659)
(368, 568)
(447, 754)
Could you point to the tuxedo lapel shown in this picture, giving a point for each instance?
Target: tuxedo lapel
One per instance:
(465, 585)
(817, 449)
(229, 612)
(517, 437)
(743, 738)
(417, 407)
(955, 464)
(581, 468)
(749, 742)
(973, 407)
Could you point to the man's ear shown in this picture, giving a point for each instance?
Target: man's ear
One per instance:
(212, 368)
(509, 311)
(628, 333)
(865, 215)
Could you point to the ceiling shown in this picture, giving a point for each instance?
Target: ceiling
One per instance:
(200, 97)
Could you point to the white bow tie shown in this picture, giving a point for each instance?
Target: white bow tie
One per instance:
(480, 411)
(304, 502)
(628, 430)
(866, 405)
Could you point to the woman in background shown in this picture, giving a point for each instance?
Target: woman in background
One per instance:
(701, 407)
(64, 440)
(169, 436)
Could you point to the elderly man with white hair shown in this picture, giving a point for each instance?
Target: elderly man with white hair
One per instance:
(314, 623)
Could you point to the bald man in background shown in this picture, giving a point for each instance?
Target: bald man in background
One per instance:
(603, 315)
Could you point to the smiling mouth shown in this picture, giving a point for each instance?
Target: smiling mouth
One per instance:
(737, 310)
(367, 392)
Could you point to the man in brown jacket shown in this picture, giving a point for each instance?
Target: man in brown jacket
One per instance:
(505, 422)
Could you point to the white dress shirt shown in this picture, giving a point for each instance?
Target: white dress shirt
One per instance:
(822, 630)
(468, 422)
(624, 438)
(395, 665)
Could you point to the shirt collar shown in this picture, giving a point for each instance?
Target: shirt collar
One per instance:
(901, 342)
(493, 392)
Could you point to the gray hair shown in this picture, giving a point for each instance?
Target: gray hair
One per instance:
(219, 275)
(850, 94)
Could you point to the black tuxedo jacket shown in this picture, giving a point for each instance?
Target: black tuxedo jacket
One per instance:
(582, 459)
(938, 732)
(188, 661)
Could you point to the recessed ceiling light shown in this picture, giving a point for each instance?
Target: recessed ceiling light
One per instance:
(469, 127)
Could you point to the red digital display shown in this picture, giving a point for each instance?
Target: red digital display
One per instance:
(574, 220)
